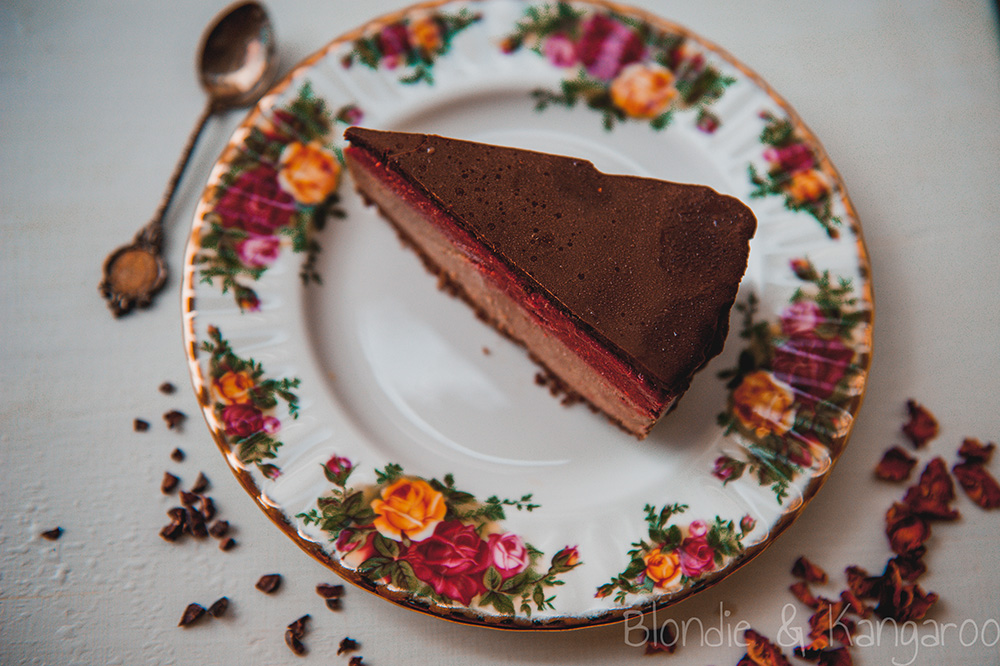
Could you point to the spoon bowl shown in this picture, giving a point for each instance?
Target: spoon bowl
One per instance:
(236, 65)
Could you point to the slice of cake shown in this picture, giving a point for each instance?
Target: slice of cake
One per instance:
(618, 286)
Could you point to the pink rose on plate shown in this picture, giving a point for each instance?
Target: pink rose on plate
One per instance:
(452, 561)
(801, 318)
(258, 251)
(607, 45)
(255, 202)
(560, 50)
(793, 158)
(508, 554)
(697, 557)
(242, 420)
(813, 365)
(698, 528)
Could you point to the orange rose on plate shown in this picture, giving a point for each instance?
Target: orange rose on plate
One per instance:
(233, 388)
(643, 90)
(663, 568)
(764, 404)
(408, 507)
(807, 186)
(425, 33)
(309, 172)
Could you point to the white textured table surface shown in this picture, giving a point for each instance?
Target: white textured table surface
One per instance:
(96, 99)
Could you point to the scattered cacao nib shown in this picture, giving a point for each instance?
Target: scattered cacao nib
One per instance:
(174, 530)
(140, 425)
(177, 455)
(334, 603)
(978, 484)
(804, 594)
(806, 570)
(167, 388)
(175, 419)
(298, 628)
(761, 651)
(328, 591)
(219, 529)
(53, 534)
(207, 507)
(169, 483)
(486, 351)
(931, 497)
(356, 660)
(177, 514)
(188, 498)
(896, 465)
(347, 645)
(269, 583)
(906, 530)
(293, 643)
(196, 523)
(228, 544)
(921, 426)
(192, 614)
(219, 607)
(200, 484)
(974, 451)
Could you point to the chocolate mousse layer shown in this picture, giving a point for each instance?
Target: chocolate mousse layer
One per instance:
(635, 276)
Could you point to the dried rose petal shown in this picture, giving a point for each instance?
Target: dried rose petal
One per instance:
(906, 530)
(978, 484)
(219, 607)
(861, 584)
(293, 643)
(972, 450)
(761, 651)
(348, 645)
(825, 657)
(53, 534)
(192, 614)
(269, 583)
(911, 565)
(921, 427)
(933, 493)
(857, 606)
(804, 594)
(902, 601)
(895, 465)
(805, 569)
(829, 621)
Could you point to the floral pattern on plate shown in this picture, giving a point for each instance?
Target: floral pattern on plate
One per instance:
(437, 542)
(790, 393)
(625, 68)
(675, 557)
(244, 399)
(415, 41)
(280, 187)
(794, 173)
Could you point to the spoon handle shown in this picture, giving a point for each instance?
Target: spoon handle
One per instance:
(152, 233)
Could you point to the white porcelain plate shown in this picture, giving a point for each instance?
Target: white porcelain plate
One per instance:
(405, 444)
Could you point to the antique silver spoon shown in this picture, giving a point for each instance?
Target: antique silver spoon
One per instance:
(236, 64)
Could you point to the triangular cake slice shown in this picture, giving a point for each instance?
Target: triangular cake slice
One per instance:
(620, 287)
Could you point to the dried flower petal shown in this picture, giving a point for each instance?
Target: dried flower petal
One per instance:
(921, 426)
(804, 594)
(836, 657)
(192, 614)
(269, 583)
(911, 565)
(933, 493)
(978, 484)
(347, 645)
(861, 584)
(972, 450)
(906, 530)
(293, 643)
(219, 607)
(902, 601)
(829, 623)
(805, 569)
(857, 606)
(895, 465)
(761, 651)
